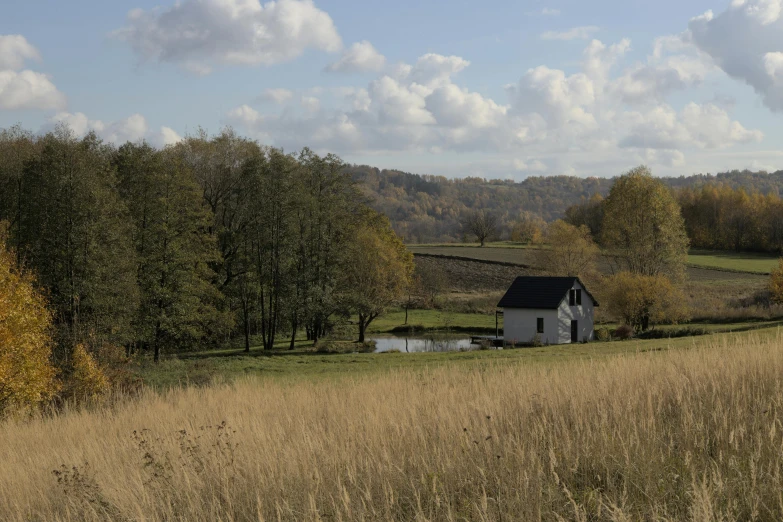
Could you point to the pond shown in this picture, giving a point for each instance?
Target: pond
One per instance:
(425, 343)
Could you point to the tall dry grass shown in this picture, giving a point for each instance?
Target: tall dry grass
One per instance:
(689, 435)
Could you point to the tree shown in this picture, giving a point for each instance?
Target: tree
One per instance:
(27, 377)
(75, 234)
(571, 251)
(481, 224)
(776, 283)
(589, 212)
(643, 227)
(179, 296)
(328, 211)
(644, 300)
(529, 229)
(432, 280)
(377, 273)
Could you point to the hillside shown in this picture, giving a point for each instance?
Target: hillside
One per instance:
(426, 208)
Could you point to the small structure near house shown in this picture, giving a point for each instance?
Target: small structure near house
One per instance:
(553, 310)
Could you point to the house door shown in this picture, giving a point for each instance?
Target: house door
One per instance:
(574, 331)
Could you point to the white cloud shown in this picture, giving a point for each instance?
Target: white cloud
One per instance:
(15, 50)
(576, 33)
(279, 96)
(201, 34)
(360, 57)
(530, 165)
(744, 41)
(28, 90)
(24, 89)
(131, 129)
(553, 122)
(550, 12)
(167, 136)
(310, 103)
(696, 126)
(435, 69)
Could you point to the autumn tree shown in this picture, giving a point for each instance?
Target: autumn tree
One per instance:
(642, 301)
(378, 270)
(776, 283)
(481, 224)
(569, 251)
(27, 376)
(588, 212)
(528, 229)
(643, 227)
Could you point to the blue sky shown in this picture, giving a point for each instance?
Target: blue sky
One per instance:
(495, 89)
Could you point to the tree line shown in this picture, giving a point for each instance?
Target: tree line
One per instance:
(716, 216)
(425, 208)
(216, 237)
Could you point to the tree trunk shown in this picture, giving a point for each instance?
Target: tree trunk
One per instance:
(293, 336)
(246, 318)
(406, 313)
(362, 326)
(156, 357)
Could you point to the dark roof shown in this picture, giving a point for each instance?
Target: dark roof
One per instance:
(539, 292)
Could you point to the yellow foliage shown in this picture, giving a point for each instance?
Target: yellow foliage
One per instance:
(641, 301)
(776, 283)
(27, 377)
(86, 380)
(571, 251)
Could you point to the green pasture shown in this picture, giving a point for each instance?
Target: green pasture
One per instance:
(733, 261)
(306, 363)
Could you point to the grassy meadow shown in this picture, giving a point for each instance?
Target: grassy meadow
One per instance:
(688, 429)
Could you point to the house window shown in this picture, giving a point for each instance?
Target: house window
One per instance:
(578, 298)
(540, 325)
(572, 297)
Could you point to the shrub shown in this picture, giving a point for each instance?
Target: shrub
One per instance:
(535, 341)
(642, 301)
(86, 380)
(678, 332)
(603, 334)
(623, 332)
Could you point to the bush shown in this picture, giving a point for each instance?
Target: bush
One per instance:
(86, 380)
(623, 332)
(671, 333)
(602, 334)
(27, 378)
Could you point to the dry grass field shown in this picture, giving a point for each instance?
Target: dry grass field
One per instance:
(690, 434)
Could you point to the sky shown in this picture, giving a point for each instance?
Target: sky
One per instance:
(495, 89)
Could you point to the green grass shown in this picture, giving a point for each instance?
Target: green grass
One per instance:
(304, 363)
(419, 320)
(733, 261)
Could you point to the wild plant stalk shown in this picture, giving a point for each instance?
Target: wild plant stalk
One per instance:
(686, 435)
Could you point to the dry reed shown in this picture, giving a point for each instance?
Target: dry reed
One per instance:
(681, 435)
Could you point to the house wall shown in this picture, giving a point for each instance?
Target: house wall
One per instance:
(519, 324)
(583, 314)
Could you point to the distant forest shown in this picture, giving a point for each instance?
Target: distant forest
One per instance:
(425, 208)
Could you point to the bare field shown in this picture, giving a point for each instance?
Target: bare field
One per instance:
(526, 257)
(674, 435)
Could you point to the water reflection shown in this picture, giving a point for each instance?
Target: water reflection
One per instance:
(433, 343)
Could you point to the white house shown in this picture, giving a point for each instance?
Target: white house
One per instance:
(557, 309)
